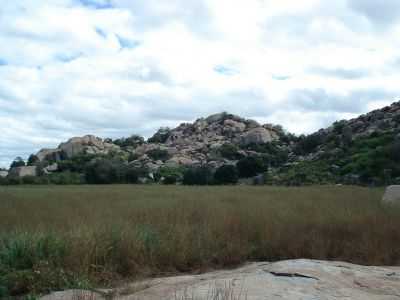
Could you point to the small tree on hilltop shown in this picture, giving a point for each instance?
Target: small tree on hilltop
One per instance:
(18, 162)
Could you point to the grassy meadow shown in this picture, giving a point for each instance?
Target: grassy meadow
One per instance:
(55, 237)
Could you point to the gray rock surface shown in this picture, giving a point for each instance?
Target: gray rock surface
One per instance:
(23, 171)
(285, 280)
(88, 144)
(392, 195)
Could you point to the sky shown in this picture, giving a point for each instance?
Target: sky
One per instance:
(113, 68)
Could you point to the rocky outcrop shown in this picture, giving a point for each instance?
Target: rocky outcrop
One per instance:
(49, 155)
(392, 195)
(258, 135)
(23, 171)
(197, 143)
(88, 144)
(285, 280)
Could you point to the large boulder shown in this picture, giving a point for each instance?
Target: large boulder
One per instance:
(88, 144)
(392, 195)
(49, 155)
(284, 280)
(23, 171)
(258, 135)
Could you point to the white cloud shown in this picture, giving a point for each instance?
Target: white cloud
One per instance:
(117, 67)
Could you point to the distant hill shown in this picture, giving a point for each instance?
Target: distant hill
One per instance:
(364, 150)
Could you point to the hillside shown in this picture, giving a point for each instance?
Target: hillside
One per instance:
(223, 148)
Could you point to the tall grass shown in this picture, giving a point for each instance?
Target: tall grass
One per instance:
(102, 234)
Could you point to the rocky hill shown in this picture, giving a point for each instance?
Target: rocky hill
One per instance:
(364, 150)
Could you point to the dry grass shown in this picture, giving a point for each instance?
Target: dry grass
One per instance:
(113, 232)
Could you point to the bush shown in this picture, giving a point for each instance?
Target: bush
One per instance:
(158, 154)
(105, 171)
(197, 176)
(250, 166)
(63, 178)
(132, 141)
(160, 136)
(169, 175)
(29, 180)
(18, 162)
(226, 174)
(229, 151)
(170, 179)
(131, 175)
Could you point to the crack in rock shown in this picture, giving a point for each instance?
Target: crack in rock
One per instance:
(292, 275)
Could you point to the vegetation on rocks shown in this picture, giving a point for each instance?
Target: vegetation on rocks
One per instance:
(363, 151)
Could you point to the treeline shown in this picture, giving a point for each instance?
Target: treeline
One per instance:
(92, 169)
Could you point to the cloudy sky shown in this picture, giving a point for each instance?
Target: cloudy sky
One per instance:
(117, 67)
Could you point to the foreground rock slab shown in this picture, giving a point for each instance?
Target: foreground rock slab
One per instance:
(291, 280)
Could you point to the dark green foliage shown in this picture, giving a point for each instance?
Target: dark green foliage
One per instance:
(158, 154)
(132, 157)
(105, 171)
(250, 166)
(272, 154)
(77, 163)
(226, 174)
(160, 136)
(18, 162)
(309, 143)
(32, 160)
(198, 176)
(131, 174)
(229, 151)
(170, 175)
(132, 141)
(33, 263)
(29, 179)
(64, 178)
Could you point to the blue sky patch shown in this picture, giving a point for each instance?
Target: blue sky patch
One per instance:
(127, 43)
(97, 4)
(281, 77)
(3, 62)
(224, 70)
(66, 58)
(101, 32)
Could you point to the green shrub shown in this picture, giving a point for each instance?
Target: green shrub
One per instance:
(198, 176)
(158, 154)
(250, 166)
(131, 175)
(226, 174)
(105, 171)
(18, 162)
(229, 151)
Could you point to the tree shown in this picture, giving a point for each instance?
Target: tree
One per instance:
(32, 160)
(158, 154)
(18, 162)
(197, 176)
(105, 171)
(229, 151)
(133, 141)
(250, 166)
(160, 136)
(226, 174)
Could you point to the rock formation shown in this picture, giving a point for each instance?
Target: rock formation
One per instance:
(392, 195)
(285, 280)
(23, 171)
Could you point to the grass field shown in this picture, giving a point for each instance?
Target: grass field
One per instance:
(76, 236)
